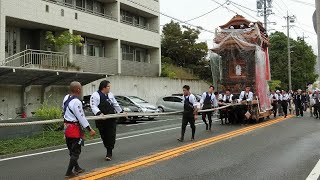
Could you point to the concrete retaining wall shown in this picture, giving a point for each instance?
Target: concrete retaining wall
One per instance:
(148, 88)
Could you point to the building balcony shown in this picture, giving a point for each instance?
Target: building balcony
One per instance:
(96, 64)
(106, 15)
(139, 26)
(38, 59)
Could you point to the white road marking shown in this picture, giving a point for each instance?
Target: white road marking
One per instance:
(90, 144)
(315, 173)
(149, 122)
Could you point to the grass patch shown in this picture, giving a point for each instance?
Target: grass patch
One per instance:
(46, 139)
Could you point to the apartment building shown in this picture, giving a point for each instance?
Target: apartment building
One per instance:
(120, 36)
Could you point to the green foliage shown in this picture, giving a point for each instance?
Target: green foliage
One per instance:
(65, 38)
(46, 139)
(166, 72)
(303, 61)
(274, 85)
(46, 112)
(179, 44)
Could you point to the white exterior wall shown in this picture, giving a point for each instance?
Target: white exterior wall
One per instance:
(148, 88)
(10, 99)
(34, 10)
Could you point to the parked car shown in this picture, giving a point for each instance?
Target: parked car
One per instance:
(198, 96)
(126, 106)
(172, 103)
(144, 105)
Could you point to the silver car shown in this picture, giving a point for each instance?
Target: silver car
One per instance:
(172, 103)
(144, 106)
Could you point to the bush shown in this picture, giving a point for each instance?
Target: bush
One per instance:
(46, 112)
(166, 72)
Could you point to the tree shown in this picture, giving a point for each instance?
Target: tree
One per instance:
(274, 85)
(180, 45)
(303, 61)
(65, 38)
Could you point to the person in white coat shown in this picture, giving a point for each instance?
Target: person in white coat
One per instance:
(103, 102)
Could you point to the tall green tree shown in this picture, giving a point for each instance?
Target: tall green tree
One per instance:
(303, 61)
(179, 43)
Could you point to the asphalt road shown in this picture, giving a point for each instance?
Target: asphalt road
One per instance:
(286, 150)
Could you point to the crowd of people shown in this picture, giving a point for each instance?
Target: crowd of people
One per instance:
(297, 102)
(103, 103)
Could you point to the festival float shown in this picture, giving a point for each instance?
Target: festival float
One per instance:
(243, 49)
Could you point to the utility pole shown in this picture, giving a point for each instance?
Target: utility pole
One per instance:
(264, 8)
(265, 15)
(290, 19)
(289, 52)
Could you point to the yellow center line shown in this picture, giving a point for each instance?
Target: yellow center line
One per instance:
(171, 153)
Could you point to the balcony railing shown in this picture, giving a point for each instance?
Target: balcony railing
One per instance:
(40, 58)
(96, 64)
(89, 11)
(139, 26)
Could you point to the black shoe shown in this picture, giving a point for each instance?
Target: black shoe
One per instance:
(108, 158)
(207, 127)
(70, 175)
(180, 139)
(79, 170)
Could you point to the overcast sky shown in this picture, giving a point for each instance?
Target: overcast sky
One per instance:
(188, 9)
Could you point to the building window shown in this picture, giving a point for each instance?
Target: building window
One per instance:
(95, 48)
(62, 12)
(89, 5)
(78, 50)
(76, 15)
(7, 41)
(47, 8)
(68, 2)
(133, 19)
(80, 4)
(131, 53)
(98, 7)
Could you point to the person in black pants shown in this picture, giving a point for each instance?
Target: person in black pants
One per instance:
(74, 121)
(299, 100)
(316, 97)
(207, 101)
(102, 103)
(284, 102)
(190, 112)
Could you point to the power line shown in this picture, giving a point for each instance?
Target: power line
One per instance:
(243, 7)
(207, 12)
(174, 18)
(224, 6)
(246, 12)
(302, 2)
